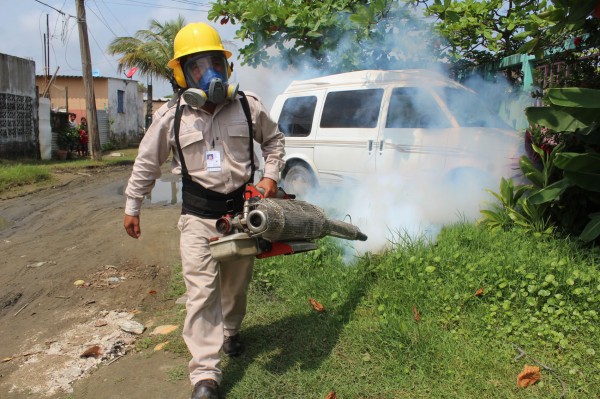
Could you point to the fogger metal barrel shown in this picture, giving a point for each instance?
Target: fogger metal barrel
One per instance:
(280, 220)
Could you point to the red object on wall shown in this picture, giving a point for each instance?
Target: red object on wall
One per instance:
(130, 73)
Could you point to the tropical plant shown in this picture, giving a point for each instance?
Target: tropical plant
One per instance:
(574, 194)
(149, 50)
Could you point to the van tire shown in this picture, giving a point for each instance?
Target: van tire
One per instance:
(299, 180)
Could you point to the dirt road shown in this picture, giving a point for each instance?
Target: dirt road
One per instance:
(52, 238)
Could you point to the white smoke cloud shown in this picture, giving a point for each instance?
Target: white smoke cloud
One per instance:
(386, 206)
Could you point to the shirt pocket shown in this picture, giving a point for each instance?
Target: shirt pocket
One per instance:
(193, 148)
(238, 142)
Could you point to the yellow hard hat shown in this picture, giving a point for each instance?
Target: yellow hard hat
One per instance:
(194, 38)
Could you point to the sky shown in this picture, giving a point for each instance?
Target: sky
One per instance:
(24, 23)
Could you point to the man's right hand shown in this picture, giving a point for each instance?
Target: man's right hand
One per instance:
(132, 226)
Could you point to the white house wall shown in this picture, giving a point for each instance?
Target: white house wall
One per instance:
(130, 122)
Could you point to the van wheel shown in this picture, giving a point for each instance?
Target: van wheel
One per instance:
(299, 180)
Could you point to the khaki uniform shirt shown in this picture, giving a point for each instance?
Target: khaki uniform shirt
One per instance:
(226, 131)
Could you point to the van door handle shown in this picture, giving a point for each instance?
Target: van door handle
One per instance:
(370, 146)
(381, 147)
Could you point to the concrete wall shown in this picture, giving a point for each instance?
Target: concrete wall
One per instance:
(127, 125)
(68, 92)
(45, 129)
(18, 108)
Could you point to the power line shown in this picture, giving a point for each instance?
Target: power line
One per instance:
(143, 4)
(114, 16)
(55, 9)
(102, 20)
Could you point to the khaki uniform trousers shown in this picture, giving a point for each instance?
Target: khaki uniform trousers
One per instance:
(217, 296)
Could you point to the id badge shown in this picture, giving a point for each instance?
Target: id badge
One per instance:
(213, 161)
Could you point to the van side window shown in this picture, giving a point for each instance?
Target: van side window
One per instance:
(297, 116)
(353, 108)
(413, 108)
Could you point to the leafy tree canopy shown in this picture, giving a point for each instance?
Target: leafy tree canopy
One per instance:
(479, 31)
(337, 35)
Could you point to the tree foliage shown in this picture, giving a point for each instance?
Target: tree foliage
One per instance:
(479, 31)
(149, 50)
(337, 35)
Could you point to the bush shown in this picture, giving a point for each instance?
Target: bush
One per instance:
(68, 138)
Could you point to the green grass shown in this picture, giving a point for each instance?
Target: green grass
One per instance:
(539, 294)
(18, 174)
(30, 172)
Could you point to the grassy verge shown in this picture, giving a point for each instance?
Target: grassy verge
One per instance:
(21, 173)
(423, 321)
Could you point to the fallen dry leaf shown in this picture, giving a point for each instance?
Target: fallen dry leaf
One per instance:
(152, 292)
(529, 376)
(331, 395)
(6, 359)
(316, 305)
(160, 346)
(416, 314)
(93, 351)
(479, 292)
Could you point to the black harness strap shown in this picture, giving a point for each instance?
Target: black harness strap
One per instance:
(176, 126)
(246, 108)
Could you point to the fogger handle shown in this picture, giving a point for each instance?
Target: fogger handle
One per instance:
(253, 191)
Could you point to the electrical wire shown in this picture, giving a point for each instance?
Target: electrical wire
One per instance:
(114, 16)
(143, 4)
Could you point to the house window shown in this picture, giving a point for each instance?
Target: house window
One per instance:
(120, 101)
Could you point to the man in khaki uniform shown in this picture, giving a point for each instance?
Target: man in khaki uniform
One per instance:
(207, 129)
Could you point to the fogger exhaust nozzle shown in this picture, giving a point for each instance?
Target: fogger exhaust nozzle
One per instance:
(279, 220)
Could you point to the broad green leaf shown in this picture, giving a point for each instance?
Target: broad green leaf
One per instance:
(528, 47)
(452, 16)
(575, 97)
(314, 34)
(587, 180)
(523, 35)
(578, 162)
(552, 118)
(531, 172)
(551, 192)
(582, 169)
(592, 229)
(290, 21)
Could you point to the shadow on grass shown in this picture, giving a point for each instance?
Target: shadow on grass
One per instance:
(300, 341)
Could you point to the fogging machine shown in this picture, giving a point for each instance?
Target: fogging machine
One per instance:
(275, 226)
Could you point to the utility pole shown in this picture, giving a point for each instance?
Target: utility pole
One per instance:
(88, 82)
(149, 103)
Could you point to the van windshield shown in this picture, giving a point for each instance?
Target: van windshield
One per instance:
(469, 109)
(412, 107)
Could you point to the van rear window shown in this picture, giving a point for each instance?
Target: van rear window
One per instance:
(297, 116)
(352, 109)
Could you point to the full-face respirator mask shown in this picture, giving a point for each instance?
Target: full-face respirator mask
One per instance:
(206, 76)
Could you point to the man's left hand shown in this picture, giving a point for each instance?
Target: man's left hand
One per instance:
(268, 186)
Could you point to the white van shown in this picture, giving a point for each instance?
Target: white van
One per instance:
(411, 123)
